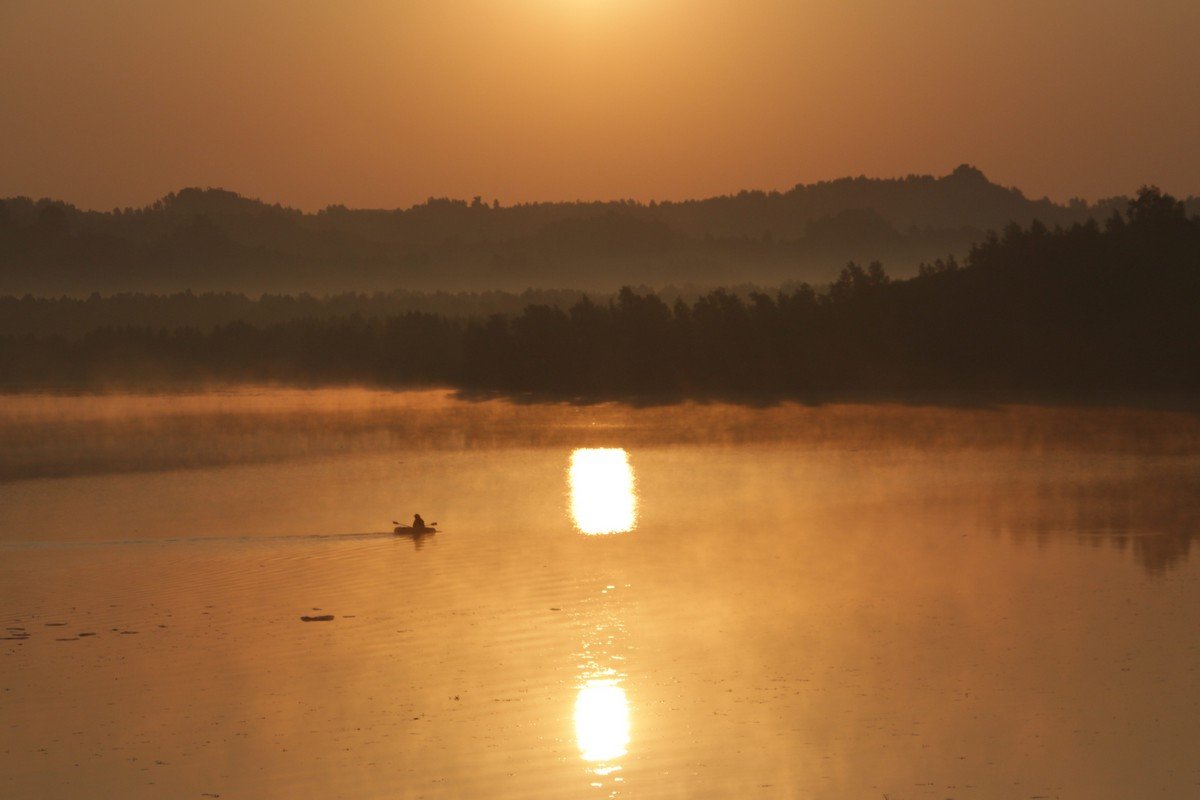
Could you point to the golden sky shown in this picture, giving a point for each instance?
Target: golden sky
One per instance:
(382, 103)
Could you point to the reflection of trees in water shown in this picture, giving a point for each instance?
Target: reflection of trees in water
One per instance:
(1156, 552)
(1154, 517)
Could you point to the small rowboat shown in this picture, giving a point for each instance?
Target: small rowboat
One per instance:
(409, 530)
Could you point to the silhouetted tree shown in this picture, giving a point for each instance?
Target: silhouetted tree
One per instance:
(1075, 312)
(52, 222)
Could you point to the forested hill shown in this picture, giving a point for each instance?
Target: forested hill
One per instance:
(213, 239)
(1088, 312)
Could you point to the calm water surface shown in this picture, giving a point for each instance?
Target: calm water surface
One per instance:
(699, 601)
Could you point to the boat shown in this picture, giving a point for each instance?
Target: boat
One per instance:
(409, 530)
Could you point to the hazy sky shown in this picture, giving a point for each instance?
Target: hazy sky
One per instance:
(385, 102)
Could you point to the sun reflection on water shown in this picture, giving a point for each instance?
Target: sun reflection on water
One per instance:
(602, 724)
(602, 491)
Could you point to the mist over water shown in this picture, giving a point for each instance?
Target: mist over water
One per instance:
(599, 399)
(838, 601)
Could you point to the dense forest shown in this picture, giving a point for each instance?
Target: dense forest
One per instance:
(1089, 310)
(217, 240)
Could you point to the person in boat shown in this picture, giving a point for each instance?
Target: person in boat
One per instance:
(418, 523)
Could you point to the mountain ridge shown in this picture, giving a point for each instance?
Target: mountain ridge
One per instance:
(215, 238)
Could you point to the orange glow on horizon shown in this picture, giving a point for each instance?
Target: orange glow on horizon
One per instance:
(381, 104)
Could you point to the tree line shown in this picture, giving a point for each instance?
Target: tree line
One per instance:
(72, 317)
(213, 239)
(1084, 311)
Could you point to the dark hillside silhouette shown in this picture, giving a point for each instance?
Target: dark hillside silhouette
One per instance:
(1089, 312)
(217, 240)
(72, 317)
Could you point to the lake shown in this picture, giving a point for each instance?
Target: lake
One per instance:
(699, 600)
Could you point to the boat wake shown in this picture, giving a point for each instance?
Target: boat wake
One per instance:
(165, 540)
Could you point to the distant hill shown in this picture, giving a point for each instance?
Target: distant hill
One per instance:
(1086, 313)
(215, 239)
